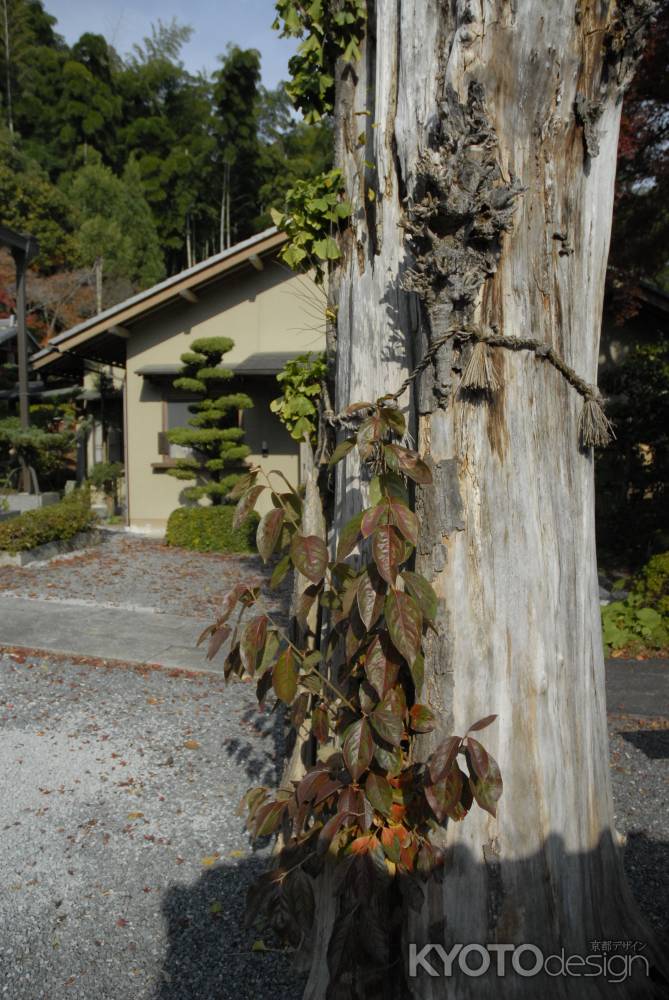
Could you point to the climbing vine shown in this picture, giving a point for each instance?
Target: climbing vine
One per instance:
(368, 801)
(311, 218)
(332, 31)
(301, 383)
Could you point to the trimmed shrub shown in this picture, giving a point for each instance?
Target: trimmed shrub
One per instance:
(57, 523)
(642, 619)
(209, 529)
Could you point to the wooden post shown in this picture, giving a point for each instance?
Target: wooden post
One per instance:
(20, 260)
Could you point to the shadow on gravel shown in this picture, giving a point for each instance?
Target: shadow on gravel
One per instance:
(654, 743)
(210, 954)
(251, 755)
(646, 863)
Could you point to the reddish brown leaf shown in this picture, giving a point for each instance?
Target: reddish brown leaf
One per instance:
(217, 640)
(482, 724)
(369, 432)
(387, 550)
(310, 556)
(358, 748)
(441, 761)
(444, 795)
(253, 642)
(269, 532)
(405, 624)
(310, 784)
(387, 718)
(422, 719)
(370, 595)
(381, 665)
(372, 518)
(320, 725)
(412, 465)
(245, 506)
(404, 519)
(477, 756)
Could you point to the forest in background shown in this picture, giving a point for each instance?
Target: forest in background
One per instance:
(129, 168)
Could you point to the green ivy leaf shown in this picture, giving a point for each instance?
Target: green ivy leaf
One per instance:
(488, 790)
(327, 249)
(422, 593)
(284, 677)
(379, 793)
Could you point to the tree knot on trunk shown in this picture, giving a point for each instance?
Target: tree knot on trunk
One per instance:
(625, 38)
(588, 114)
(459, 208)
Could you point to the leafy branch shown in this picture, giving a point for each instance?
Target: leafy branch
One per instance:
(328, 32)
(367, 801)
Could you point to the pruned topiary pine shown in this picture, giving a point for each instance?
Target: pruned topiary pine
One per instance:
(213, 434)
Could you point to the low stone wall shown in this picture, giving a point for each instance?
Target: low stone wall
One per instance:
(22, 502)
(42, 553)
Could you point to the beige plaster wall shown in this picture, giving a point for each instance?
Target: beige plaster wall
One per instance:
(268, 311)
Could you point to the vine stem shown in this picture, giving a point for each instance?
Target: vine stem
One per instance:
(311, 670)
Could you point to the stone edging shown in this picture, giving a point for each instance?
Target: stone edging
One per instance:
(51, 550)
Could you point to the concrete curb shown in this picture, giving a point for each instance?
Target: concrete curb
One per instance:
(51, 550)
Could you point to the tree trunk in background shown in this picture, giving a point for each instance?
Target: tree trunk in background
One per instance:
(505, 114)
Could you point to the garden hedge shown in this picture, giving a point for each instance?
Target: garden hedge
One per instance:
(209, 529)
(56, 523)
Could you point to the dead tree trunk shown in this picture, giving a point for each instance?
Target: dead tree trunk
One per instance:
(484, 186)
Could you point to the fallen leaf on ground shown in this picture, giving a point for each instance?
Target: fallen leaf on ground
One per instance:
(210, 860)
(192, 745)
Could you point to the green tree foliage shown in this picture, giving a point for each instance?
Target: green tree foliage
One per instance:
(116, 225)
(641, 219)
(210, 154)
(30, 203)
(213, 434)
(633, 471)
(235, 95)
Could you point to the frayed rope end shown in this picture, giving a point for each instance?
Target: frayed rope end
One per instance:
(479, 375)
(595, 430)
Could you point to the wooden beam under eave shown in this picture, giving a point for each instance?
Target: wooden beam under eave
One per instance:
(120, 331)
(256, 261)
(189, 295)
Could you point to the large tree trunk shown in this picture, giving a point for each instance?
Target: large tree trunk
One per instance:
(506, 113)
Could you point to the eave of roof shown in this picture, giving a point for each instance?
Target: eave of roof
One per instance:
(261, 363)
(138, 305)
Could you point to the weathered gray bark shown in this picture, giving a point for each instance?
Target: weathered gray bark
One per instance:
(472, 102)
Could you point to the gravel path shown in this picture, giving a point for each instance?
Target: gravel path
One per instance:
(124, 864)
(131, 571)
(640, 775)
